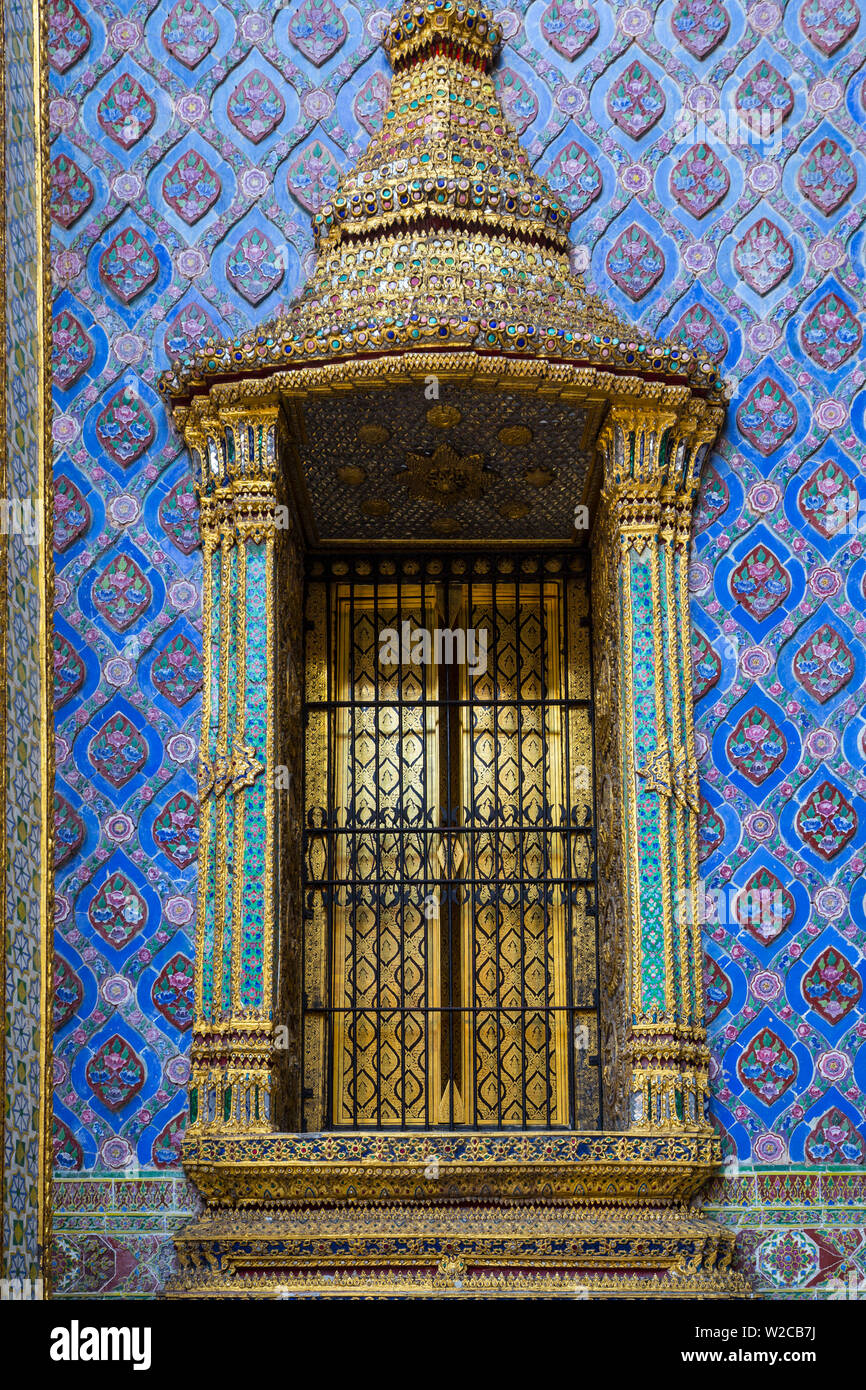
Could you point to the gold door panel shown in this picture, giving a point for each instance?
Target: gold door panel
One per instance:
(449, 928)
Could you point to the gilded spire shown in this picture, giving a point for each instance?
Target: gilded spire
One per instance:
(442, 235)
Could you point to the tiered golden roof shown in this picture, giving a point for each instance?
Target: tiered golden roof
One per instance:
(442, 236)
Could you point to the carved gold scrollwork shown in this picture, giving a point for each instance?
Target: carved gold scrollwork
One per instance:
(656, 771)
(237, 770)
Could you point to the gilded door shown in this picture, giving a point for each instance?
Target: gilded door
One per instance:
(449, 859)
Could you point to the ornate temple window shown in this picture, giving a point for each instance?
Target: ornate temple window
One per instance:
(415, 439)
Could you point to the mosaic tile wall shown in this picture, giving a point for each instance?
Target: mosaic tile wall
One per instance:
(715, 154)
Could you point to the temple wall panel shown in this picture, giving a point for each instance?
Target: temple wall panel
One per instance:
(187, 154)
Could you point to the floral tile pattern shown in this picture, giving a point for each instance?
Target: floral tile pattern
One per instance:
(189, 144)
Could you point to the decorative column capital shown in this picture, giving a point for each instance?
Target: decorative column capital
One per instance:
(235, 462)
(651, 458)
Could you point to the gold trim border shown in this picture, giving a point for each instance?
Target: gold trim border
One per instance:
(44, 929)
(46, 624)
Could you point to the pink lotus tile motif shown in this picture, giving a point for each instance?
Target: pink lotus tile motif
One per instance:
(318, 29)
(711, 831)
(71, 191)
(69, 671)
(702, 333)
(824, 663)
(66, 1150)
(765, 91)
(370, 104)
(827, 822)
(700, 25)
(116, 1073)
(176, 830)
(828, 499)
(519, 102)
(760, 582)
(117, 751)
(189, 32)
(127, 265)
(706, 666)
(126, 112)
(634, 262)
(768, 1066)
(575, 176)
(827, 176)
(69, 34)
(636, 101)
(313, 176)
(757, 745)
(172, 991)
(166, 1151)
(68, 993)
(121, 593)
(832, 986)
(569, 28)
(767, 416)
(831, 333)
(68, 831)
(763, 256)
(717, 988)
(125, 427)
(189, 328)
(764, 906)
(829, 23)
(254, 267)
(255, 107)
(699, 181)
(178, 516)
(72, 350)
(118, 912)
(177, 671)
(713, 498)
(834, 1139)
(191, 187)
(72, 515)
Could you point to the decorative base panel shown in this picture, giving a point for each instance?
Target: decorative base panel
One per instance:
(456, 1250)
(448, 1215)
(556, 1165)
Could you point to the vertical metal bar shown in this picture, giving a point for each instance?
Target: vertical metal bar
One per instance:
(351, 818)
(330, 1100)
(377, 839)
(568, 858)
(301, 916)
(425, 840)
(521, 836)
(452, 796)
(497, 837)
(594, 859)
(400, 838)
(549, 994)
(469, 1020)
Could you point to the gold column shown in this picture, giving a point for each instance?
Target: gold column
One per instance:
(237, 1083)
(654, 1033)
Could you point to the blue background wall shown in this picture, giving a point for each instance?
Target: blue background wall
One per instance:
(190, 143)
